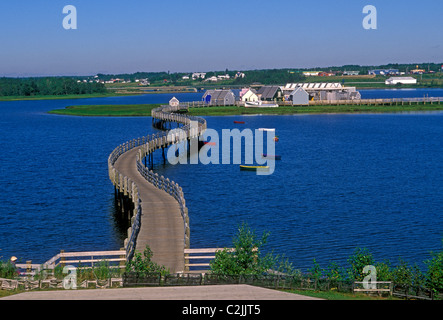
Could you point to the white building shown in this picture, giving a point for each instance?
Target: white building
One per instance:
(401, 80)
(174, 102)
(212, 79)
(197, 75)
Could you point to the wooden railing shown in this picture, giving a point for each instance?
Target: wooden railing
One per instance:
(115, 258)
(392, 101)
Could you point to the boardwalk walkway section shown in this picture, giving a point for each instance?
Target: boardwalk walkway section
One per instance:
(156, 205)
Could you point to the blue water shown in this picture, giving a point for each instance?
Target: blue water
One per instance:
(368, 180)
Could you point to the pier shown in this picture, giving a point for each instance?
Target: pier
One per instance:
(155, 205)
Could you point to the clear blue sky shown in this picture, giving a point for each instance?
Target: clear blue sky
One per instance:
(195, 35)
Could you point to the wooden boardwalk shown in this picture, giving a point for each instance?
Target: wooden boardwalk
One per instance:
(161, 221)
(155, 205)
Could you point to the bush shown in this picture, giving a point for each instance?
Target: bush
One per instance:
(7, 270)
(434, 275)
(144, 265)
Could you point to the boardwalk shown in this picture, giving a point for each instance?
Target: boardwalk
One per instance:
(161, 222)
(156, 205)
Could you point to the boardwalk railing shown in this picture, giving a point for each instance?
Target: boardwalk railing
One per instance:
(370, 102)
(147, 146)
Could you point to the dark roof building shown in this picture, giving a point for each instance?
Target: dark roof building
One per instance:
(219, 97)
(270, 93)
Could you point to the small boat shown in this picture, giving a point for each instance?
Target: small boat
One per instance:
(239, 122)
(210, 143)
(276, 139)
(275, 157)
(266, 129)
(253, 168)
(260, 104)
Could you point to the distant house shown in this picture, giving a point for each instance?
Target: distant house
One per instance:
(326, 74)
(223, 77)
(299, 97)
(351, 73)
(311, 73)
(384, 72)
(174, 102)
(212, 79)
(401, 80)
(270, 93)
(239, 75)
(197, 75)
(219, 97)
(248, 95)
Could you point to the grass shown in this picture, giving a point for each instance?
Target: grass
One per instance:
(285, 110)
(144, 110)
(127, 110)
(334, 295)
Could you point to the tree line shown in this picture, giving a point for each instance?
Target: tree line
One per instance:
(247, 258)
(47, 86)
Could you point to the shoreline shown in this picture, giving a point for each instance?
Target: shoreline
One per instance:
(144, 110)
(144, 91)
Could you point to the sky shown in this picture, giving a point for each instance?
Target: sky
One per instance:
(115, 36)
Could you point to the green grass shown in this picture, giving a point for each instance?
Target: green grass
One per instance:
(128, 110)
(285, 110)
(145, 110)
(334, 295)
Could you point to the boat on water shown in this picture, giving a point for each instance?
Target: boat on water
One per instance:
(260, 104)
(239, 122)
(253, 168)
(269, 156)
(266, 129)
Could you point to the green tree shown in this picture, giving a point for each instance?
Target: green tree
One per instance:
(245, 257)
(434, 272)
(358, 260)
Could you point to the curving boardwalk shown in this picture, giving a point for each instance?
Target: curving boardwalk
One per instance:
(161, 221)
(159, 217)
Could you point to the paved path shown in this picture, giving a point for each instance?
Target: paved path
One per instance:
(213, 292)
(162, 227)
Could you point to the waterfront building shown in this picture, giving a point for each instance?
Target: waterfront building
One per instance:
(219, 97)
(248, 95)
(270, 93)
(323, 91)
(174, 102)
(401, 80)
(299, 97)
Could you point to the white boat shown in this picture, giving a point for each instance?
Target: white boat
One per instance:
(266, 129)
(260, 104)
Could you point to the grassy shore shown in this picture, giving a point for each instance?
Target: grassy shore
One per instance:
(127, 110)
(144, 110)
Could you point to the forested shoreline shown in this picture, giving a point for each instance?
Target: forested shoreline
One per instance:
(55, 86)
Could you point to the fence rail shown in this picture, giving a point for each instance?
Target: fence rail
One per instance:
(391, 101)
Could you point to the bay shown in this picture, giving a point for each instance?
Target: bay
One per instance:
(344, 181)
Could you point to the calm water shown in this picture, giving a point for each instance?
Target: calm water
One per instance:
(344, 181)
